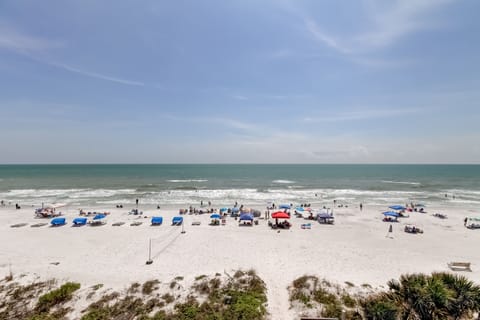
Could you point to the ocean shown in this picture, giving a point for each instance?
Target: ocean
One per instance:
(181, 185)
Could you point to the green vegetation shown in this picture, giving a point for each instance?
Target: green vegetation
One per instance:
(149, 286)
(57, 296)
(439, 296)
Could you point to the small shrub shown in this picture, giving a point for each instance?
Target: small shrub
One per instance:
(173, 284)
(58, 296)
(179, 278)
(168, 298)
(348, 300)
(200, 277)
(149, 286)
(97, 286)
(349, 284)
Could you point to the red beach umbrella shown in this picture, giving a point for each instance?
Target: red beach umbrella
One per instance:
(280, 215)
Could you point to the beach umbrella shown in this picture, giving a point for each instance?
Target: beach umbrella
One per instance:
(284, 206)
(397, 207)
(223, 209)
(99, 216)
(235, 209)
(280, 215)
(300, 209)
(246, 216)
(215, 216)
(391, 214)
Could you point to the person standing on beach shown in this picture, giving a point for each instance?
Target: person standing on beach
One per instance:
(465, 222)
(361, 207)
(390, 231)
(136, 202)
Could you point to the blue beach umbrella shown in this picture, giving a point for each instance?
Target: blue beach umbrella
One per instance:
(235, 209)
(223, 209)
(300, 209)
(391, 214)
(215, 216)
(246, 217)
(397, 207)
(284, 206)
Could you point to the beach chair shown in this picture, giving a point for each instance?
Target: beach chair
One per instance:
(459, 266)
(306, 226)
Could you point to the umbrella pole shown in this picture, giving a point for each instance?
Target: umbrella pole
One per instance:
(149, 261)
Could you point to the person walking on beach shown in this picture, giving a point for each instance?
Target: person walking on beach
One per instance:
(390, 231)
(136, 202)
(361, 207)
(465, 222)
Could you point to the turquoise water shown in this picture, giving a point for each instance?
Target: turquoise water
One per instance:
(170, 184)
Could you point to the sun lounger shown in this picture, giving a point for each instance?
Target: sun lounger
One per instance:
(459, 266)
(306, 226)
(118, 224)
(36, 225)
(195, 223)
(136, 223)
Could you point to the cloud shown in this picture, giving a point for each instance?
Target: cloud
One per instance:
(94, 74)
(389, 24)
(362, 115)
(13, 40)
(240, 97)
(322, 37)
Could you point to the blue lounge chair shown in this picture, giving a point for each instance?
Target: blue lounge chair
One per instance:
(79, 222)
(156, 221)
(177, 221)
(56, 222)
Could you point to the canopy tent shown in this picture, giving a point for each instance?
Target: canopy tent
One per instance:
(246, 217)
(157, 220)
(280, 215)
(397, 207)
(177, 221)
(391, 214)
(215, 216)
(324, 215)
(58, 221)
(99, 216)
(80, 221)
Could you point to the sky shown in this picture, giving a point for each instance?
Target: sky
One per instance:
(240, 81)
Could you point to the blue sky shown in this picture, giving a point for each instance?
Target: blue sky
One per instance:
(239, 81)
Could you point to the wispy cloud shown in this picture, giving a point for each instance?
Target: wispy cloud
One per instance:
(389, 24)
(32, 47)
(363, 114)
(323, 37)
(94, 74)
(240, 97)
(13, 40)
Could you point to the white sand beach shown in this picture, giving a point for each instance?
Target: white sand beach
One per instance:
(355, 249)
